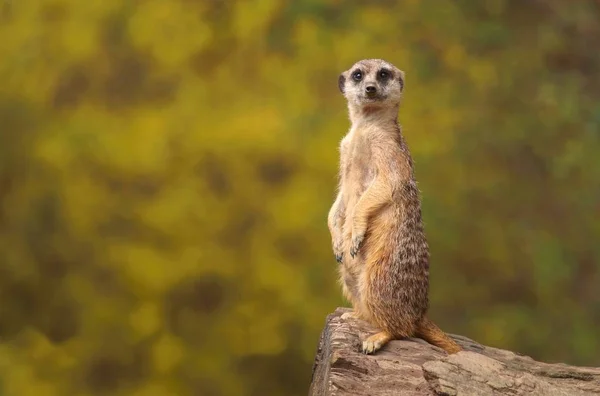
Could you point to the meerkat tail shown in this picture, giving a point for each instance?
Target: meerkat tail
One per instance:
(429, 331)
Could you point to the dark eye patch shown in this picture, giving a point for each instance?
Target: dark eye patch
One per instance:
(383, 75)
(357, 75)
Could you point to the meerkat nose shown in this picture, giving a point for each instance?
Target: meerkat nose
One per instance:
(371, 89)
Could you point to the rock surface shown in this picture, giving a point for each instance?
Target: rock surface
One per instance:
(414, 367)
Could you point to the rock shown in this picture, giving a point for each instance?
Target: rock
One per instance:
(414, 367)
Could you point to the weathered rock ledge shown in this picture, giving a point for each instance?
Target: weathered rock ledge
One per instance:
(414, 367)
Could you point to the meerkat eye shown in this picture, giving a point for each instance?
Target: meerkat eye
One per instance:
(383, 74)
(357, 75)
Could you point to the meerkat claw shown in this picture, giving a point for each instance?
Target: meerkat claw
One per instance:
(368, 347)
(337, 251)
(356, 242)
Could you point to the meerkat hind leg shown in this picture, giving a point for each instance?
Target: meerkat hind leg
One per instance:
(376, 342)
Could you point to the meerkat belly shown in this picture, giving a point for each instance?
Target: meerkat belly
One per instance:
(397, 257)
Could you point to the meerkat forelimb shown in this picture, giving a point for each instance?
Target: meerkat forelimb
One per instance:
(375, 197)
(335, 227)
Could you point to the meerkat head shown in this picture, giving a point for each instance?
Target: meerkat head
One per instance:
(372, 83)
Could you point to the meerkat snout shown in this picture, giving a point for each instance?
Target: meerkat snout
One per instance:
(371, 89)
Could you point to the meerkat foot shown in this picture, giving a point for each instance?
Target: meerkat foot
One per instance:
(349, 315)
(375, 342)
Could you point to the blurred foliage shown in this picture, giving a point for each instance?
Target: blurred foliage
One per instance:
(166, 169)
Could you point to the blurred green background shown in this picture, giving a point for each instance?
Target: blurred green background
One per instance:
(166, 168)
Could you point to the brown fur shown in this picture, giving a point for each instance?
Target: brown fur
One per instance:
(375, 222)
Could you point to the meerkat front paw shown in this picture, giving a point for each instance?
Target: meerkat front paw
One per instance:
(357, 239)
(338, 250)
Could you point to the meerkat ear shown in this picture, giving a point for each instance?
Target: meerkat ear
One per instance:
(341, 82)
(401, 79)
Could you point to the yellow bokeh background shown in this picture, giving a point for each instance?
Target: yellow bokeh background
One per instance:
(166, 168)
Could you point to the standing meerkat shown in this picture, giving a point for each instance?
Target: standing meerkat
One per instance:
(375, 222)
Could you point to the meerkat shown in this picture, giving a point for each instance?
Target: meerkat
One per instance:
(375, 221)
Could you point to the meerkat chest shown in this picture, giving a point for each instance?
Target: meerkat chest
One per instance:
(358, 168)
